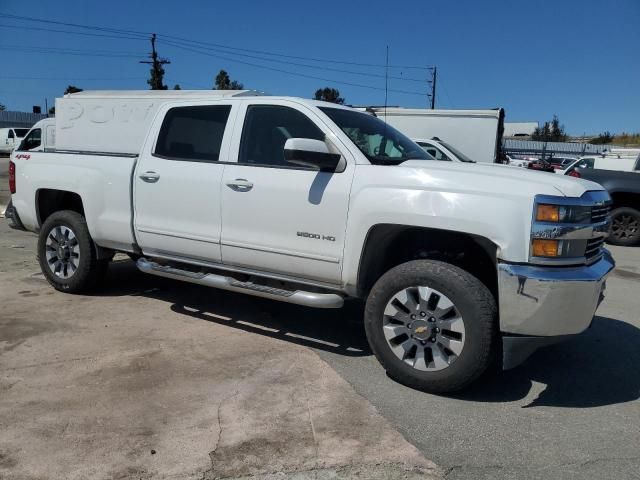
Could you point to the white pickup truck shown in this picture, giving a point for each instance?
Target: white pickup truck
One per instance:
(461, 265)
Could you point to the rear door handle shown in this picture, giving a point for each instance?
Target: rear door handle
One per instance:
(240, 185)
(150, 177)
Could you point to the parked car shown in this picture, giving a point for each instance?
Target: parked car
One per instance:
(41, 136)
(624, 188)
(541, 165)
(561, 163)
(440, 150)
(607, 161)
(10, 138)
(461, 265)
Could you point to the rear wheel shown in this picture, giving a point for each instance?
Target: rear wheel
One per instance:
(67, 254)
(625, 227)
(432, 325)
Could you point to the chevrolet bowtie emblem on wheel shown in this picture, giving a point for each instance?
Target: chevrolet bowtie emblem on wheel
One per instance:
(420, 329)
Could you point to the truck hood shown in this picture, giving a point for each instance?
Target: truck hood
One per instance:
(496, 174)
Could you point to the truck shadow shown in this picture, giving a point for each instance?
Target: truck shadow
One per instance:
(599, 367)
(333, 330)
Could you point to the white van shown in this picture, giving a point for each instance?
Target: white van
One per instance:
(10, 138)
(41, 136)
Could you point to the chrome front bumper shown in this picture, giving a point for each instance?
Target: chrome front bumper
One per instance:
(550, 301)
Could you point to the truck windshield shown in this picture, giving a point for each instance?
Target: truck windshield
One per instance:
(379, 142)
(461, 156)
(21, 132)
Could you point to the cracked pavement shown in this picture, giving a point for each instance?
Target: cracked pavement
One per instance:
(151, 378)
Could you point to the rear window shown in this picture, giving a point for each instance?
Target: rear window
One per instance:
(193, 133)
(21, 132)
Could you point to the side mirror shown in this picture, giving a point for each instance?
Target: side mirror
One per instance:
(311, 153)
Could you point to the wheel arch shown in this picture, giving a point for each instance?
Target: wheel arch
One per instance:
(50, 200)
(389, 245)
(625, 199)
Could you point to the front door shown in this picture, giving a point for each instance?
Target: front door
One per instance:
(177, 184)
(276, 216)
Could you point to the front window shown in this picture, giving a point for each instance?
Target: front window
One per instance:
(434, 152)
(31, 141)
(21, 132)
(266, 130)
(461, 156)
(379, 142)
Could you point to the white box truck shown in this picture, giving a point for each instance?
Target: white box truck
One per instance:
(476, 133)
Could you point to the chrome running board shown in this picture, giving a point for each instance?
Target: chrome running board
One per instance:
(299, 297)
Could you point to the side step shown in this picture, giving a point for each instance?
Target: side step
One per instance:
(299, 297)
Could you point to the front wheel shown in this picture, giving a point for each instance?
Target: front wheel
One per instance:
(625, 227)
(432, 325)
(67, 254)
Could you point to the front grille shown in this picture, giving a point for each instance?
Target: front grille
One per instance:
(593, 247)
(599, 213)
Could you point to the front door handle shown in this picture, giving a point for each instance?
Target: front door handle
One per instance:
(150, 177)
(240, 185)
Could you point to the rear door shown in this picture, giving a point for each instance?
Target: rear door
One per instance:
(276, 216)
(177, 182)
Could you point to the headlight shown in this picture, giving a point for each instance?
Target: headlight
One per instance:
(562, 213)
(546, 248)
(569, 231)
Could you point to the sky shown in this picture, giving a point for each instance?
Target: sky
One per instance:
(578, 59)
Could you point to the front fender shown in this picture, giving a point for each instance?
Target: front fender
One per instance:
(502, 218)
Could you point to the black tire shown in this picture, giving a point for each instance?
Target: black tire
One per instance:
(625, 227)
(89, 270)
(471, 298)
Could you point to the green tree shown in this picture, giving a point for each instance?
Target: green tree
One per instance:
(224, 82)
(2, 107)
(551, 131)
(72, 89)
(177, 87)
(329, 95)
(156, 82)
(52, 110)
(602, 139)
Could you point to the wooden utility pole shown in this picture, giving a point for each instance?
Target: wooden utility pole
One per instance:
(434, 76)
(157, 72)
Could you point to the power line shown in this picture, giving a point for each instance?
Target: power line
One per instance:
(119, 37)
(263, 52)
(341, 82)
(297, 64)
(196, 43)
(105, 79)
(141, 35)
(62, 51)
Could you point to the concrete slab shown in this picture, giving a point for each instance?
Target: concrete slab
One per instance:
(158, 379)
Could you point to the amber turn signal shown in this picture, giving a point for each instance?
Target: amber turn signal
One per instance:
(548, 213)
(545, 248)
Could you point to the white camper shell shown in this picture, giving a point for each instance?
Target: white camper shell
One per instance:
(83, 118)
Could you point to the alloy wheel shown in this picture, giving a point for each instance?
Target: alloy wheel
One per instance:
(424, 328)
(62, 251)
